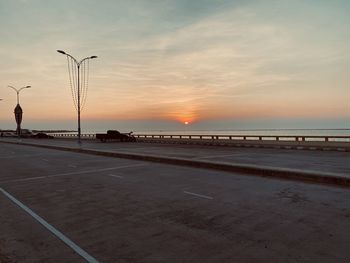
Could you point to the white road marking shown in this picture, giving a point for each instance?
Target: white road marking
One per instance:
(123, 149)
(219, 156)
(73, 173)
(140, 148)
(45, 160)
(116, 176)
(53, 230)
(20, 156)
(72, 166)
(29, 179)
(199, 195)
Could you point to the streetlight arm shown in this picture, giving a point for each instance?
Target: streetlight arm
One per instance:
(81, 61)
(18, 90)
(75, 60)
(13, 88)
(68, 55)
(27, 87)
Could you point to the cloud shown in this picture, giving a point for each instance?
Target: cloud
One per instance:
(215, 60)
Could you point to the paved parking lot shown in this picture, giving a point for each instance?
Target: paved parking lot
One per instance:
(118, 210)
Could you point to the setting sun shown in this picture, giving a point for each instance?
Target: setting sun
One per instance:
(186, 122)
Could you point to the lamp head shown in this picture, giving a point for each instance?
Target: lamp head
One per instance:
(62, 52)
(27, 87)
(93, 57)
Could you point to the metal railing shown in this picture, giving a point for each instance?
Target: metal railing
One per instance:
(286, 138)
(73, 135)
(248, 137)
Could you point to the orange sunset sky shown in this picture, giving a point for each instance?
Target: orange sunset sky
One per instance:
(179, 61)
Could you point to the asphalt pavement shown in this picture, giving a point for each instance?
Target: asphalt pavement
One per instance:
(320, 167)
(59, 206)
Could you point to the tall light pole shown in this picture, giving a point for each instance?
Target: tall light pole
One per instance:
(18, 109)
(79, 83)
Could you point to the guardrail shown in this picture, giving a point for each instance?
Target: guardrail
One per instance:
(249, 137)
(297, 138)
(72, 136)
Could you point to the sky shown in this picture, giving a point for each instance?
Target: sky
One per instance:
(216, 64)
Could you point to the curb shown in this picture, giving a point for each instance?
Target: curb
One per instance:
(252, 144)
(254, 170)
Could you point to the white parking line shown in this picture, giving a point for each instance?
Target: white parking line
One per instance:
(45, 160)
(116, 176)
(73, 173)
(72, 166)
(53, 230)
(199, 195)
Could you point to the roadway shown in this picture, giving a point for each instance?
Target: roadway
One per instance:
(335, 162)
(119, 210)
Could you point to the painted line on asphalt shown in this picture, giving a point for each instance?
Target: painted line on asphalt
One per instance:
(73, 173)
(199, 195)
(72, 166)
(45, 160)
(20, 156)
(218, 156)
(27, 179)
(116, 176)
(53, 230)
(123, 149)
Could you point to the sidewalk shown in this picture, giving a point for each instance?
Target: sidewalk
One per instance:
(316, 166)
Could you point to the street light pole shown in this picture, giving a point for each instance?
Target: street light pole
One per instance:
(18, 110)
(78, 64)
(1, 132)
(79, 127)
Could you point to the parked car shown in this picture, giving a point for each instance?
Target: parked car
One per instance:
(26, 133)
(115, 135)
(8, 134)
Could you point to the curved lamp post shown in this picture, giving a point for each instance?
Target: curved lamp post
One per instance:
(18, 109)
(79, 86)
(18, 91)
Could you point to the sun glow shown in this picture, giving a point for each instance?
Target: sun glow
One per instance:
(185, 119)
